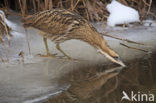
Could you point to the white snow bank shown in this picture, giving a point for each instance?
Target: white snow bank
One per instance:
(121, 14)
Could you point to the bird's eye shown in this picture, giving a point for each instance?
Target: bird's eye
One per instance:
(115, 57)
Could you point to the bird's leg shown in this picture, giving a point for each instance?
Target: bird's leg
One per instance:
(46, 45)
(47, 49)
(58, 47)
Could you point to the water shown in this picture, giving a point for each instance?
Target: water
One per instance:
(101, 84)
(92, 79)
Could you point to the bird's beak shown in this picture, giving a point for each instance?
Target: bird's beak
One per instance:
(113, 59)
(119, 61)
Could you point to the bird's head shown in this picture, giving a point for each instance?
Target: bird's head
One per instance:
(109, 53)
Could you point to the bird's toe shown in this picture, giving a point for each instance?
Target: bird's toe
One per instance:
(48, 55)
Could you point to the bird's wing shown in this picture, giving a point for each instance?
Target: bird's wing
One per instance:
(56, 22)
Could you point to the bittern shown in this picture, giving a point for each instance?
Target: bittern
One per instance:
(60, 25)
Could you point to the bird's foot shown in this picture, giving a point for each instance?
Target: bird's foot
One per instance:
(48, 55)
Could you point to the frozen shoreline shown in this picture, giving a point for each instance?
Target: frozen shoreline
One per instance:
(37, 76)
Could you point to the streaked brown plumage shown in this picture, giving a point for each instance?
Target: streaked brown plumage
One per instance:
(60, 25)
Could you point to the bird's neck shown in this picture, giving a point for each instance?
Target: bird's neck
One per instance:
(99, 42)
(95, 39)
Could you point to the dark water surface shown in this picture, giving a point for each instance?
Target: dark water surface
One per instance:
(106, 84)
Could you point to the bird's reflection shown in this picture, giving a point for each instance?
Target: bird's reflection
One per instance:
(106, 84)
(83, 84)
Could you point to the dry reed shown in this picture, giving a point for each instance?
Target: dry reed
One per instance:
(93, 10)
(4, 32)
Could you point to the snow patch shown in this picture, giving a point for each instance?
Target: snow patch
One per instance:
(121, 14)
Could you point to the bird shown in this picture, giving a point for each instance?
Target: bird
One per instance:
(60, 25)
